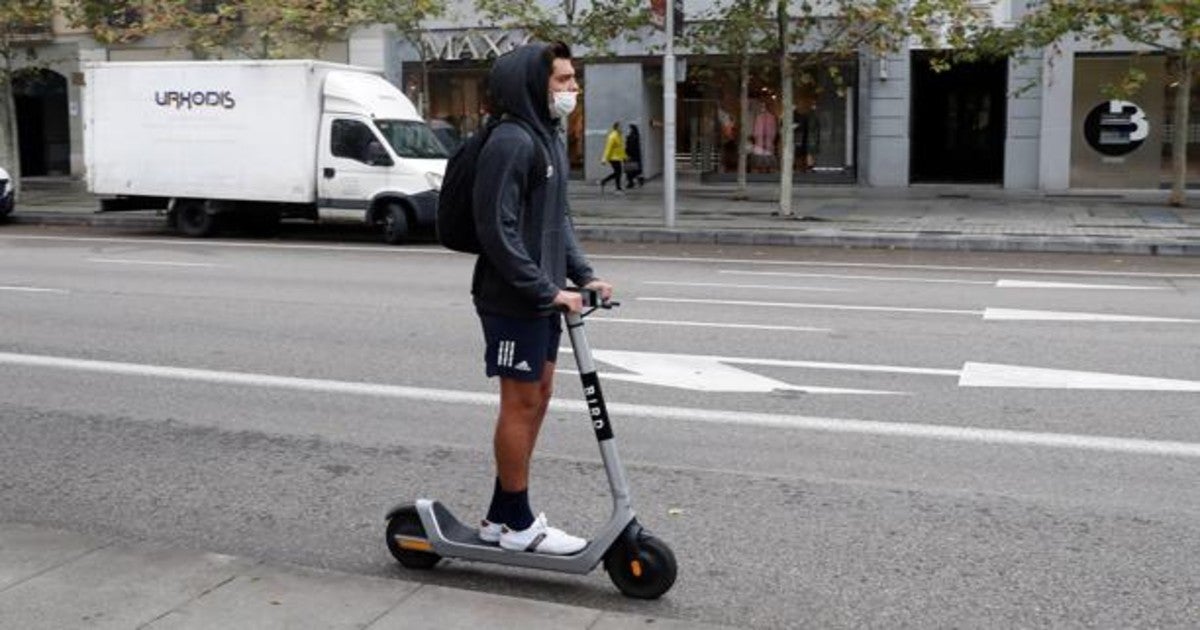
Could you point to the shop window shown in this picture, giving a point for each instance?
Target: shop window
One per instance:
(1117, 142)
(822, 121)
(457, 103)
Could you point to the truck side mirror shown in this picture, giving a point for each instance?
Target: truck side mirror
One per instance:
(377, 155)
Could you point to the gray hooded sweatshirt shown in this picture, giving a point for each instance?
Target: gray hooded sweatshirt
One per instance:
(528, 243)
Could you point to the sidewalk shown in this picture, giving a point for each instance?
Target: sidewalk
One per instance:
(970, 218)
(59, 580)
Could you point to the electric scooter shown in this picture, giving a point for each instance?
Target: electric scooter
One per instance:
(639, 564)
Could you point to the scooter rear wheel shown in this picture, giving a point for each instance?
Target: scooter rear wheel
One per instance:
(642, 573)
(407, 541)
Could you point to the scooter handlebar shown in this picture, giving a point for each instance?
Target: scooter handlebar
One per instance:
(591, 299)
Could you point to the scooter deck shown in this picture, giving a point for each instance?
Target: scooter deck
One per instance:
(452, 539)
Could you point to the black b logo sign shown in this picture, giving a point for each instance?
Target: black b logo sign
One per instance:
(1116, 128)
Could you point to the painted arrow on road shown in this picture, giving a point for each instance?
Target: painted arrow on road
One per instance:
(700, 373)
(719, 374)
(992, 375)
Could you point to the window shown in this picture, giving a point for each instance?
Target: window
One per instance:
(412, 139)
(350, 138)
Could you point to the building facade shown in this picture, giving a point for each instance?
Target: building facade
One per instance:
(1040, 123)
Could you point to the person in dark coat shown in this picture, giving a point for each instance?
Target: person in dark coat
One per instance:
(529, 252)
(633, 162)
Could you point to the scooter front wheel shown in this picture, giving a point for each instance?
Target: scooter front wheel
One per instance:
(407, 541)
(643, 569)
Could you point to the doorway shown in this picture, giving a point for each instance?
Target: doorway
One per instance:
(958, 121)
(43, 126)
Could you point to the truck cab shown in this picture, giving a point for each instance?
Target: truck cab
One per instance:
(378, 160)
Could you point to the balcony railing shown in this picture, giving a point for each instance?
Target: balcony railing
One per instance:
(34, 32)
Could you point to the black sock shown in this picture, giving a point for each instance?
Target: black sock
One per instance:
(495, 512)
(510, 508)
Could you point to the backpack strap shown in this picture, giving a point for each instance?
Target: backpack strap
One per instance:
(537, 175)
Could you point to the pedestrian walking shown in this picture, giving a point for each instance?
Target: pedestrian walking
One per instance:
(614, 155)
(529, 251)
(633, 161)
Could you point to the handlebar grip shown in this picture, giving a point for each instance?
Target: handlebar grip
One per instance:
(591, 299)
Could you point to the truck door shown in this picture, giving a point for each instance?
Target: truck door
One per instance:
(353, 165)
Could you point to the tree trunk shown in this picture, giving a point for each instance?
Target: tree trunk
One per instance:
(10, 149)
(743, 137)
(424, 87)
(785, 147)
(1179, 146)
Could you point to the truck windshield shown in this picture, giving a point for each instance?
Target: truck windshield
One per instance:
(412, 139)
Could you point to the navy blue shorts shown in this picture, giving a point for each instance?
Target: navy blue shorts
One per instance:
(519, 348)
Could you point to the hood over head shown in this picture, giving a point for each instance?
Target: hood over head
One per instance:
(519, 81)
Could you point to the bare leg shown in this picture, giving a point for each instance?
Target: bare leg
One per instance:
(522, 408)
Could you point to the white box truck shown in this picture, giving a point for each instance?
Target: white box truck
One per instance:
(207, 141)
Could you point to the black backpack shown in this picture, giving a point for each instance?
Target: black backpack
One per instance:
(455, 213)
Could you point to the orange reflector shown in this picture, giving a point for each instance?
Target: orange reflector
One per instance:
(413, 544)
(636, 565)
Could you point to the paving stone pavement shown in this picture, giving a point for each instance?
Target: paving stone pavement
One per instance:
(57, 580)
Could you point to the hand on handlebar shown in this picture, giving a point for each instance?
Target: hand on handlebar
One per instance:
(603, 288)
(569, 301)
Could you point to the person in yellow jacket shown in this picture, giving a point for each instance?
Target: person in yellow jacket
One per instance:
(614, 155)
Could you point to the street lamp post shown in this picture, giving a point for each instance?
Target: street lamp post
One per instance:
(669, 120)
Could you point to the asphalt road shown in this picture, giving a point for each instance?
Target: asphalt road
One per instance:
(826, 438)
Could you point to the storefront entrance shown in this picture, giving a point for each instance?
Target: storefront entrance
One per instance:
(958, 121)
(43, 127)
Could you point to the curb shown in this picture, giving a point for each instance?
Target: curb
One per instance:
(940, 241)
(87, 220)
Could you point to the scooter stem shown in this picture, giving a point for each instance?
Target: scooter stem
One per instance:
(599, 414)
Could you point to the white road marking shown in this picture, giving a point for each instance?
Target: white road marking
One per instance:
(816, 365)
(851, 265)
(774, 287)
(1031, 284)
(971, 435)
(833, 276)
(703, 374)
(658, 322)
(989, 375)
(234, 244)
(33, 290)
(805, 389)
(688, 371)
(1012, 315)
(988, 314)
(156, 263)
(999, 284)
(802, 305)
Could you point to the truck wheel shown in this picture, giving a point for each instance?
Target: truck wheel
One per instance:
(395, 224)
(193, 219)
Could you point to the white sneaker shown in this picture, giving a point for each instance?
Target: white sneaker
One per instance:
(541, 538)
(489, 532)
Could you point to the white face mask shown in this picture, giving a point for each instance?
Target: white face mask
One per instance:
(562, 104)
